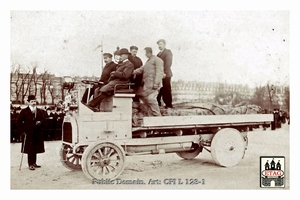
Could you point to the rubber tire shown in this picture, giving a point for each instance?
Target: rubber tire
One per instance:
(189, 155)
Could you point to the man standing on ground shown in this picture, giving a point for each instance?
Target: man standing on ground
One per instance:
(108, 68)
(166, 91)
(152, 74)
(30, 123)
(137, 62)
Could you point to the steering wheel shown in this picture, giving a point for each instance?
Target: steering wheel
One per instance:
(91, 82)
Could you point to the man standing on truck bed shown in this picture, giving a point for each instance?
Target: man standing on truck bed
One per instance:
(121, 75)
(137, 62)
(152, 74)
(166, 91)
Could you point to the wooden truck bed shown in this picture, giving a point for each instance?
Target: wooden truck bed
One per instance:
(176, 122)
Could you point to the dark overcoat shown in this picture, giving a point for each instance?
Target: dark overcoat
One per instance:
(167, 56)
(121, 76)
(26, 122)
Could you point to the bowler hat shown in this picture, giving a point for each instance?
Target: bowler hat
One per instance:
(31, 97)
(124, 51)
(117, 52)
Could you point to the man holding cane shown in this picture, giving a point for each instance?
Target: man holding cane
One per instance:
(30, 123)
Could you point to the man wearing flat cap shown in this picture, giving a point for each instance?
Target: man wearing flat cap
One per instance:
(30, 122)
(109, 67)
(121, 75)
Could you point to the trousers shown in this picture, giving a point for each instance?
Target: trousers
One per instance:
(150, 102)
(97, 101)
(165, 93)
(85, 95)
(31, 158)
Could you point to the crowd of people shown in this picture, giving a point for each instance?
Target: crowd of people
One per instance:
(280, 117)
(151, 80)
(52, 126)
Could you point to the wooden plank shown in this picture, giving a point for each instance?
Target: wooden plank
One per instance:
(204, 120)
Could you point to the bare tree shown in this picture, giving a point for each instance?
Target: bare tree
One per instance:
(29, 80)
(16, 78)
(24, 84)
(51, 89)
(259, 97)
(43, 89)
(62, 89)
(35, 79)
(287, 97)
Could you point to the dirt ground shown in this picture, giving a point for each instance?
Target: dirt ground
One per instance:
(163, 167)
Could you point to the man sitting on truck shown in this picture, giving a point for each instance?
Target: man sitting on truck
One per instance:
(109, 67)
(121, 75)
(152, 73)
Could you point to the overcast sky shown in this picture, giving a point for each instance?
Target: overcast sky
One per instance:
(248, 47)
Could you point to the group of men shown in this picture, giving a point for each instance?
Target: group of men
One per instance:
(129, 68)
(152, 81)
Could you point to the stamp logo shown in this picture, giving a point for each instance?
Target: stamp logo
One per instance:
(272, 171)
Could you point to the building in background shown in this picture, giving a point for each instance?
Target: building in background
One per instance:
(48, 89)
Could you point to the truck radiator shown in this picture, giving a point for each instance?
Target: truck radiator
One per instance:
(67, 132)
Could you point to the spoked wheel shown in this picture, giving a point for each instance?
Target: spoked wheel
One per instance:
(103, 160)
(227, 147)
(188, 155)
(68, 159)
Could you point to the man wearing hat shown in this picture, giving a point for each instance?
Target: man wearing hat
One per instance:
(121, 75)
(30, 123)
(109, 67)
(117, 55)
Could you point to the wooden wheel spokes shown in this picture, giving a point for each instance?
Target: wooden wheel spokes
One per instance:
(104, 160)
(100, 153)
(68, 159)
(74, 159)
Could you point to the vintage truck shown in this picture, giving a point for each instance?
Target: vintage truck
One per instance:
(99, 142)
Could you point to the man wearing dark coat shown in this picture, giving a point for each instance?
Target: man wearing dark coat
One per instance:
(120, 76)
(137, 63)
(107, 69)
(133, 58)
(30, 123)
(166, 90)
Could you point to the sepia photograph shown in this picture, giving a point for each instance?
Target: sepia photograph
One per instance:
(149, 99)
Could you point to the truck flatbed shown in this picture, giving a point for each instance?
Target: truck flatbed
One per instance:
(202, 121)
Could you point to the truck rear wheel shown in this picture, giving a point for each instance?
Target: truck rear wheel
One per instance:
(103, 160)
(68, 159)
(188, 155)
(227, 147)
